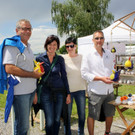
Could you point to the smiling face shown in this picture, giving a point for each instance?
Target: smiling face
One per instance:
(71, 48)
(52, 47)
(98, 39)
(24, 31)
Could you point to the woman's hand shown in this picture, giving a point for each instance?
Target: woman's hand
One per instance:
(35, 99)
(68, 99)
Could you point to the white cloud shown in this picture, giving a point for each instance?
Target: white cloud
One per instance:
(39, 14)
(30, 9)
(39, 36)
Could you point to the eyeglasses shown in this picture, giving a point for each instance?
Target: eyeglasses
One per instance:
(71, 46)
(25, 29)
(97, 38)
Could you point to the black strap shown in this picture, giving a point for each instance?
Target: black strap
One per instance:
(41, 83)
(53, 64)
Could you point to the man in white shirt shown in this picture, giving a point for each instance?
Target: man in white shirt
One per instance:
(96, 68)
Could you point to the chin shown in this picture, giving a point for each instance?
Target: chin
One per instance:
(99, 45)
(51, 51)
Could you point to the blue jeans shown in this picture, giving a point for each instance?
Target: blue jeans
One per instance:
(79, 97)
(52, 108)
(22, 105)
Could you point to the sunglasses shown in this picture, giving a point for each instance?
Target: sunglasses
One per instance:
(71, 46)
(97, 38)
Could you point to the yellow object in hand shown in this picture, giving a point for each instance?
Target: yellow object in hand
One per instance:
(112, 75)
(38, 65)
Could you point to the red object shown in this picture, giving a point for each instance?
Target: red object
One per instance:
(125, 97)
(121, 99)
(115, 66)
(41, 67)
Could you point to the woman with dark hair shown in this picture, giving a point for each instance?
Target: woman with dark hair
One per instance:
(54, 88)
(77, 85)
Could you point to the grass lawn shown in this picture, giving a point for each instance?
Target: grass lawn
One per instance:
(3, 100)
(123, 90)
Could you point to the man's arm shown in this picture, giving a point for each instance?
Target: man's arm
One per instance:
(12, 69)
(104, 79)
(86, 69)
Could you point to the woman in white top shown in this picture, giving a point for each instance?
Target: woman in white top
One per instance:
(77, 85)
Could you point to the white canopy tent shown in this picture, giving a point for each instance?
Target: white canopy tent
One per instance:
(118, 35)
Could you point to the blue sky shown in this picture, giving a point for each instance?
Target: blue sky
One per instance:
(39, 14)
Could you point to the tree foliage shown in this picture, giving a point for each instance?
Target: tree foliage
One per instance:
(80, 17)
(62, 50)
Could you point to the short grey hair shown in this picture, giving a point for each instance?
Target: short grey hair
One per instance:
(22, 20)
(98, 31)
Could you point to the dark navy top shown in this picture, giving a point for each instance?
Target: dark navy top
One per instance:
(58, 75)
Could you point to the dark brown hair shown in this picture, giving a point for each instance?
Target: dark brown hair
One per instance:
(70, 39)
(50, 39)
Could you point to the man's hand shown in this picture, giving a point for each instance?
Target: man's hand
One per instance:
(12, 69)
(107, 80)
(38, 74)
(104, 79)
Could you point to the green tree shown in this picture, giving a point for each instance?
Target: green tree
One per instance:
(62, 50)
(80, 17)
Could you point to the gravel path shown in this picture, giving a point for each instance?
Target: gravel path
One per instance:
(6, 129)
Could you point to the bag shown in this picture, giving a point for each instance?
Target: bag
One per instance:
(64, 116)
(35, 108)
(38, 90)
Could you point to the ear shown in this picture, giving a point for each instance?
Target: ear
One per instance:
(75, 46)
(16, 30)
